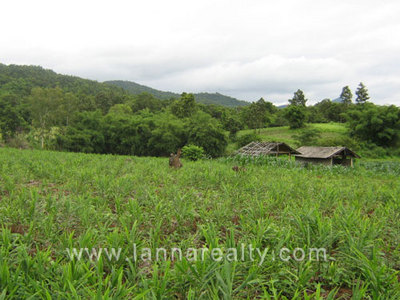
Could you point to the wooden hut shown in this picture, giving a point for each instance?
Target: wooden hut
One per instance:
(267, 148)
(326, 155)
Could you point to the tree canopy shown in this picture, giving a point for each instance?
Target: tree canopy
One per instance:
(298, 98)
(362, 94)
(346, 95)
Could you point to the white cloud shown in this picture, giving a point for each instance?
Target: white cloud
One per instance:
(248, 49)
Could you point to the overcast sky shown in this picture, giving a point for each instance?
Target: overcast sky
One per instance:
(245, 49)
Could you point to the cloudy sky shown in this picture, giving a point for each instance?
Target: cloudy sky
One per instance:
(246, 49)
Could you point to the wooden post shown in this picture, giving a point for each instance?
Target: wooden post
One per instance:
(332, 161)
(351, 162)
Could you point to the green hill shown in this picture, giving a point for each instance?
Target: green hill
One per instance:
(205, 98)
(21, 79)
(135, 88)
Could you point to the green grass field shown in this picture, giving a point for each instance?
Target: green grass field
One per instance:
(284, 134)
(51, 202)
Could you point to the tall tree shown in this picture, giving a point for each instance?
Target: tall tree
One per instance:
(185, 106)
(44, 104)
(69, 104)
(257, 115)
(298, 99)
(231, 123)
(362, 94)
(346, 95)
(296, 116)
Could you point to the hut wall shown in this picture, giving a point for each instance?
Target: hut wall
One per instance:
(323, 161)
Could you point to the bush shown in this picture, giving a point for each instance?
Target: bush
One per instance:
(373, 151)
(19, 141)
(192, 152)
(247, 139)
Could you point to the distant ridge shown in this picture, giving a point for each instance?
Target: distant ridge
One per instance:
(205, 98)
(37, 76)
(282, 106)
(337, 100)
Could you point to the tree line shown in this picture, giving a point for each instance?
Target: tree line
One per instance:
(51, 111)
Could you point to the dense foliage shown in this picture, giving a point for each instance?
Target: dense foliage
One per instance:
(376, 124)
(73, 114)
(296, 116)
(42, 109)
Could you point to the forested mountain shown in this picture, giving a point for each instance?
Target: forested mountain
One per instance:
(135, 88)
(22, 79)
(36, 76)
(205, 98)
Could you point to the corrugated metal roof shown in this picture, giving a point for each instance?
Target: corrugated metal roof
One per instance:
(324, 152)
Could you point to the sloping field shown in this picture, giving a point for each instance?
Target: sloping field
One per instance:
(284, 134)
(314, 232)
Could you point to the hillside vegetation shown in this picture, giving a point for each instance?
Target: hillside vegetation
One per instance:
(42, 109)
(205, 98)
(52, 201)
(328, 131)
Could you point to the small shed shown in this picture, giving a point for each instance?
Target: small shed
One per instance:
(326, 155)
(267, 148)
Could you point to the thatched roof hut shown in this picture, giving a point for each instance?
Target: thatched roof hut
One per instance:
(326, 155)
(266, 148)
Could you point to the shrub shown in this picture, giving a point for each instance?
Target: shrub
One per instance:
(247, 139)
(18, 141)
(192, 152)
(373, 151)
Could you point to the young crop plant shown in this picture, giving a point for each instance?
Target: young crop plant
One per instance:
(91, 226)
